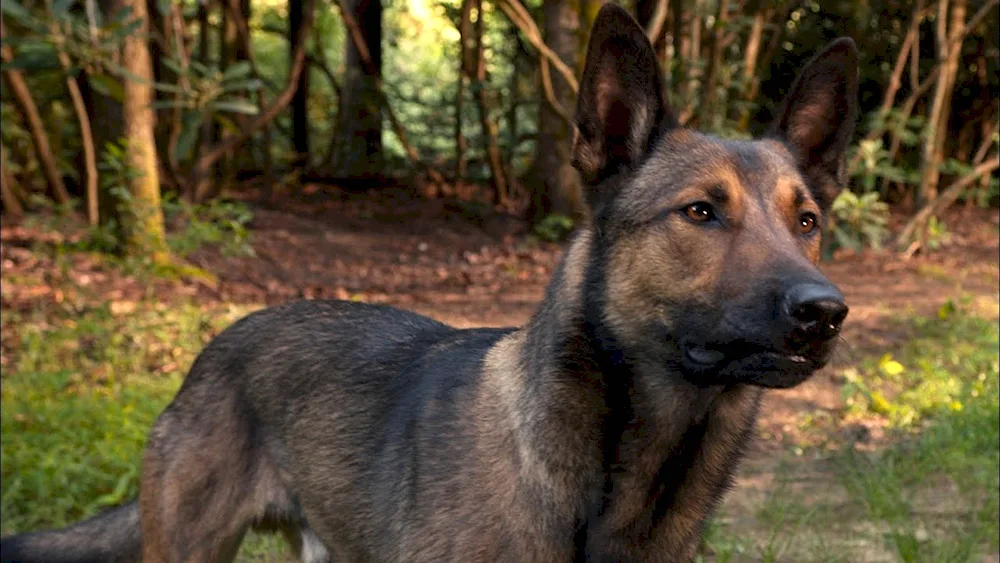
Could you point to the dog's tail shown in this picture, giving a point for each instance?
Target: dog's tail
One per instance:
(112, 536)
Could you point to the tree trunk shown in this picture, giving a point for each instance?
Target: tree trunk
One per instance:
(588, 14)
(39, 138)
(200, 188)
(917, 226)
(358, 152)
(87, 142)
(710, 87)
(11, 203)
(751, 53)
(652, 16)
(142, 215)
(692, 64)
(895, 79)
(493, 156)
(763, 61)
(464, 66)
(300, 101)
(105, 116)
(936, 129)
(356, 36)
(555, 183)
(676, 43)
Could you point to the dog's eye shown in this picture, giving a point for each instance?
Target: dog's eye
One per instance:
(807, 223)
(700, 212)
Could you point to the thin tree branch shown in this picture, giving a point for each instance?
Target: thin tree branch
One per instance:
(523, 20)
(943, 201)
(39, 138)
(550, 94)
(659, 17)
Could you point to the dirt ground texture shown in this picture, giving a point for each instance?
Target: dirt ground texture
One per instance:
(468, 266)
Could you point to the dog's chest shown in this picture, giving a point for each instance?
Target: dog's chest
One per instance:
(668, 477)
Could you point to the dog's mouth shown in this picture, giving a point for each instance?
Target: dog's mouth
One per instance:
(755, 365)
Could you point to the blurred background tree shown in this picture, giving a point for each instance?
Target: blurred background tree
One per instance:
(462, 98)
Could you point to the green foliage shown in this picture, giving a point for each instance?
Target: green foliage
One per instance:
(62, 30)
(206, 93)
(220, 223)
(859, 222)
(950, 364)
(875, 165)
(554, 228)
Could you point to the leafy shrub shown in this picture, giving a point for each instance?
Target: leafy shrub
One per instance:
(949, 366)
(217, 222)
(554, 227)
(859, 221)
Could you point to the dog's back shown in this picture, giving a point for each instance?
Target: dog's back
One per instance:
(334, 416)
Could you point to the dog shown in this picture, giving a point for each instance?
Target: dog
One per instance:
(606, 429)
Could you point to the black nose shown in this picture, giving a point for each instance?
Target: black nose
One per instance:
(816, 308)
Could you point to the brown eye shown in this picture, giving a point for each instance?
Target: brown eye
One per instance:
(807, 223)
(700, 212)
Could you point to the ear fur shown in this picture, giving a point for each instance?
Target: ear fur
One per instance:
(817, 118)
(621, 105)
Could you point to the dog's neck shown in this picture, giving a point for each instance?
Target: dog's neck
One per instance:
(586, 413)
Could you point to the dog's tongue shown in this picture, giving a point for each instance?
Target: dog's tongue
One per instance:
(705, 356)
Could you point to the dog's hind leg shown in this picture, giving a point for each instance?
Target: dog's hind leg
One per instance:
(205, 481)
(306, 544)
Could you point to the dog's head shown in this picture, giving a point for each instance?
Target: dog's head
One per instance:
(709, 246)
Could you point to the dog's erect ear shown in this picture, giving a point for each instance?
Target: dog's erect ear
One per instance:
(621, 105)
(817, 117)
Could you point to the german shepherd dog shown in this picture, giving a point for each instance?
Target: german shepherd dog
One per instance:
(606, 429)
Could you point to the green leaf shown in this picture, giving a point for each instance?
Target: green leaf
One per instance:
(200, 68)
(243, 85)
(226, 123)
(119, 33)
(163, 6)
(173, 65)
(60, 8)
(235, 106)
(14, 9)
(169, 104)
(189, 133)
(167, 87)
(238, 70)
(34, 60)
(108, 85)
(125, 73)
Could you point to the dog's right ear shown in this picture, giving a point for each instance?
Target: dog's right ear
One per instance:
(621, 107)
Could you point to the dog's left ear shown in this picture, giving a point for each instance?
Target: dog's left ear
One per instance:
(817, 117)
(621, 104)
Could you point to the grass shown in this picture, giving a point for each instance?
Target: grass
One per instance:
(932, 494)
